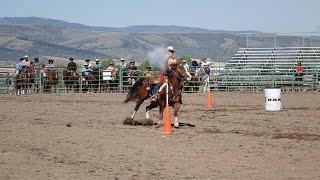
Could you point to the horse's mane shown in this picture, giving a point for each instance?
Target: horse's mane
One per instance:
(175, 65)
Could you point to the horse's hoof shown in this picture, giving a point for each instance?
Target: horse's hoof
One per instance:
(176, 125)
(128, 121)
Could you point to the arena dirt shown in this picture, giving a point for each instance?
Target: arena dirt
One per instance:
(82, 136)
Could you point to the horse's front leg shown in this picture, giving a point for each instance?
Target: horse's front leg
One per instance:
(176, 107)
(138, 104)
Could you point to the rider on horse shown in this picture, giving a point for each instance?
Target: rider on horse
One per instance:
(171, 60)
(85, 71)
(19, 66)
(72, 66)
(50, 65)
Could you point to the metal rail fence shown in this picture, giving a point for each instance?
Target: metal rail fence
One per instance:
(251, 78)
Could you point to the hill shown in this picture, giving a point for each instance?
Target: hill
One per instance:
(40, 37)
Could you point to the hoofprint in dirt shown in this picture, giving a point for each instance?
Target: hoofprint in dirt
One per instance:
(81, 136)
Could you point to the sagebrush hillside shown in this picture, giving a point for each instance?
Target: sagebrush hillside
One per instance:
(39, 37)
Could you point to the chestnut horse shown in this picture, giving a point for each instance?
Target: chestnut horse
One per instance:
(52, 81)
(72, 81)
(26, 79)
(140, 92)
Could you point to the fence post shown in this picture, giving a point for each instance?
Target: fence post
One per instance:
(120, 79)
(40, 82)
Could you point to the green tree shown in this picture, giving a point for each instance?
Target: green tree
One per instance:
(144, 63)
(187, 58)
(105, 63)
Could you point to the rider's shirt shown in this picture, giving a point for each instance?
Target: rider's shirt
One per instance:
(72, 66)
(171, 61)
(96, 66)
(112, 70)
(19, 66)
(50, 66)
(85, 71)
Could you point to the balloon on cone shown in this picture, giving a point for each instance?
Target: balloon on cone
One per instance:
(209, 100)
(167, 123)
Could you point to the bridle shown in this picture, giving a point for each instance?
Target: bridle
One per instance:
(181, 79)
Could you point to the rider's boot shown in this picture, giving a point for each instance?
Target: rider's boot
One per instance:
(154, 97)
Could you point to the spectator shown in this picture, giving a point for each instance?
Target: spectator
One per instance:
(72, 66)
(50, 65)
(96, 66)
(85, 71)
(123, 64)
(299, 71)
(112, 69)
(148, 72)
(19, 66)
(87, 61)
(186, 65)
(194, 66)
(37, 64)
(25, 61)
(132, 66)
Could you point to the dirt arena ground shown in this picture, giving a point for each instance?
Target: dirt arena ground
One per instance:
(81, 136)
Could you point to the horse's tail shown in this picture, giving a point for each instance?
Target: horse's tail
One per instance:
(134, 91)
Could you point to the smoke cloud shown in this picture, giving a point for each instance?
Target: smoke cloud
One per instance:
(158, 56)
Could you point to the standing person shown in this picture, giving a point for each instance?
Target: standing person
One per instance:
(112, 69)
(205, 66)
(299, 71)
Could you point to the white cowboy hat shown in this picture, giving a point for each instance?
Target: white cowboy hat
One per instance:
(26, 56)
(122, 59)
(170, 48)
(97, 60)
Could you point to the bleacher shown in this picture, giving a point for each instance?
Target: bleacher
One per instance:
(258, 68)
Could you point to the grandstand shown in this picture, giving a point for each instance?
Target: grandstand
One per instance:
(258, 68)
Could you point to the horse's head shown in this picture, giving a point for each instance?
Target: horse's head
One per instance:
(181, 71)
(53, 74)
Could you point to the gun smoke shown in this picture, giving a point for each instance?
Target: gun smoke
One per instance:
(158, 56)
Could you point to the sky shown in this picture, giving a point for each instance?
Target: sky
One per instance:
(279, 16)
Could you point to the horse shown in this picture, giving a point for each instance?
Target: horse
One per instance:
(139, 93)
(52, 80)
(93, 81)
(71, 81)
(26, 80)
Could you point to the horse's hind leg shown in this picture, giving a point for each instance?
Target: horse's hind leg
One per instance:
(153, 104)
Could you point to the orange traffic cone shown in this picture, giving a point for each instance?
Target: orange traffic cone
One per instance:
(209, 100)
(167, 123)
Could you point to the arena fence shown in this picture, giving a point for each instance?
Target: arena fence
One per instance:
(221, 78)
